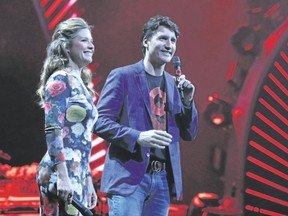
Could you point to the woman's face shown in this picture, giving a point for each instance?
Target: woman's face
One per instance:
(82, 48)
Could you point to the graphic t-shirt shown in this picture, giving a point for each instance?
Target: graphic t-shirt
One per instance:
(156, 86)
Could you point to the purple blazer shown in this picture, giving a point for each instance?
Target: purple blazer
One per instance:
(124, 111)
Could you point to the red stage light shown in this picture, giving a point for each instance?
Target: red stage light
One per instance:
(217, 119)
(218, 112)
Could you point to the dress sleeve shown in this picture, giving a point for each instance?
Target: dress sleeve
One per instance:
(57, 92)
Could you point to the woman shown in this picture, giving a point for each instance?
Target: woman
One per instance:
(67, 98)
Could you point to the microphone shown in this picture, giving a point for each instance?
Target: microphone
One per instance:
(83, 210)
(75, 202)
(177, 65)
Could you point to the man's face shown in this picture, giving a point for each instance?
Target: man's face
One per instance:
(161, 47)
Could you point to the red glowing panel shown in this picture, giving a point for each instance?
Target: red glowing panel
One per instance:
(263, 211)
(272, 125)
(43, 3)
(274, 111)
(52, 8)
(272, 10)
(267, 182)
(270, 139)
(61, 14)
(266, 197)
(267, 167)
(98, 154)
(276, 97)
(272, 40)
(231, 71)
(281, 70)
(284, 56)
(268, 212)
(269, 153)
(279, 84)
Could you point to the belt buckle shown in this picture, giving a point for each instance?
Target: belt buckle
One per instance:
(155, 167)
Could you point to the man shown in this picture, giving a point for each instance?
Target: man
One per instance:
(142, 115)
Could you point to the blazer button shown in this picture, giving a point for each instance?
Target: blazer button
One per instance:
(148, 155)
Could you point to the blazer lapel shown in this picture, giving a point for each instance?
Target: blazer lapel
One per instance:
(141, 82)
(169, 85)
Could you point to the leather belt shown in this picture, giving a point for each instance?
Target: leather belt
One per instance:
(155, 166)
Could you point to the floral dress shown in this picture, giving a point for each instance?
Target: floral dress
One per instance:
(70, 116)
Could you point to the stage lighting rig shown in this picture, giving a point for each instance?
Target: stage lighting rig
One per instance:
(218, 112)
(246, 41)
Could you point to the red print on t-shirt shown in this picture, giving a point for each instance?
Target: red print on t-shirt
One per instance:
(158, 100)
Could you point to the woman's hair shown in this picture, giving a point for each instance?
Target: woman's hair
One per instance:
(57, 57)
(153, 24)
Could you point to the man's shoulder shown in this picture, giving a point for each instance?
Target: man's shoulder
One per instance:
(129, 69)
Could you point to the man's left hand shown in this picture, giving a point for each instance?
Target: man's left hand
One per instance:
(188, 90)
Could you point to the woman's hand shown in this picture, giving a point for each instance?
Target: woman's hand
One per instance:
(64, 185)
(91, 195)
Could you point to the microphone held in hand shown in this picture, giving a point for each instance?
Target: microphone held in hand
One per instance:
(83, 210)
(177, 65)
(75, 202)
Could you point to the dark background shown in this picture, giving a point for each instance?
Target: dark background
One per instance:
(22, 49)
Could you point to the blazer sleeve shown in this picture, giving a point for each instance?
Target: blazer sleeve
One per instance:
(188, 122)
(110, 105)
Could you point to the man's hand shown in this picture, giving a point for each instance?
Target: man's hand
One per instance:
(155, 139)
(188, 89)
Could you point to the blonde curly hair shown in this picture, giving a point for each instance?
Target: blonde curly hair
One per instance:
(57, 57)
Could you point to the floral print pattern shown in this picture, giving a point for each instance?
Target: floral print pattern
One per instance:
(70, 116)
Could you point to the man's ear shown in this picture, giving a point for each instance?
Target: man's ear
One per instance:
(145, 42)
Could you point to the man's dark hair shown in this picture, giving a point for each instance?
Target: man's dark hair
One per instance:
(152, 25)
